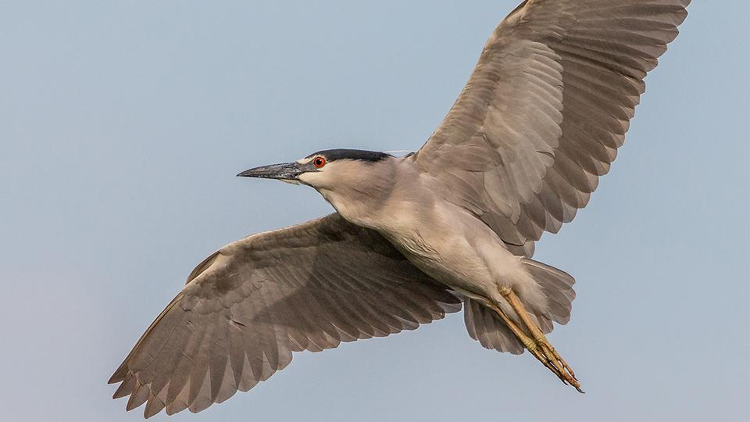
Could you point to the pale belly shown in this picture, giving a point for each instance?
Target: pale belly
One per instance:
(441, 239)
(457, 250)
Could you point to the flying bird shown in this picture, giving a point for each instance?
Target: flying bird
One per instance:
(450, 226)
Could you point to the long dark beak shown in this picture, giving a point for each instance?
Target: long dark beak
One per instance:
(284, 171)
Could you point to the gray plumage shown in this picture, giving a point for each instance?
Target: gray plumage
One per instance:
(545, 110)
(414, 237)
(247, 307)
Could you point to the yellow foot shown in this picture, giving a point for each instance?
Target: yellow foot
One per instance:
(541, 348)
(562, 369)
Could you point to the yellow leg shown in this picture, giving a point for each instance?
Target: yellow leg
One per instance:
(550, 357)
(527, 342)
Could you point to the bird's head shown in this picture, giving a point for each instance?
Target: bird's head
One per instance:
(330, 171)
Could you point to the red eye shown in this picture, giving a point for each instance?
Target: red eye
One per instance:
(319, 162)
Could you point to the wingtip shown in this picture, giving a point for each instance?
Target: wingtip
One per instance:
(118, 376)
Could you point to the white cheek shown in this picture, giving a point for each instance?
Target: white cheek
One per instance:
(310, 178)
(316, 179)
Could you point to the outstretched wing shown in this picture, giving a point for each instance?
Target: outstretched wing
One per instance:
(247, 307)
(545, 110)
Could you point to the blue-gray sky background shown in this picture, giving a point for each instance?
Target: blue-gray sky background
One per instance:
(122, 125)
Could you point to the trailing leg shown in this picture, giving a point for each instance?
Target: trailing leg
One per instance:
(543, 349)
(528, 343)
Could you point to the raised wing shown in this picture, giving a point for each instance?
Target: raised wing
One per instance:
(545, 110)
(247, 307)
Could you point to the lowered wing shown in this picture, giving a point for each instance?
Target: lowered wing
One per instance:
(247, 307)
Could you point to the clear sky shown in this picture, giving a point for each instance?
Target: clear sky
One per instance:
(123, 124)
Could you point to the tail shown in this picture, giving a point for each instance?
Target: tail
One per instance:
(557, 285)
(487, 328)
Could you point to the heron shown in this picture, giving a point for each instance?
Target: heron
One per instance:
(414, 237)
